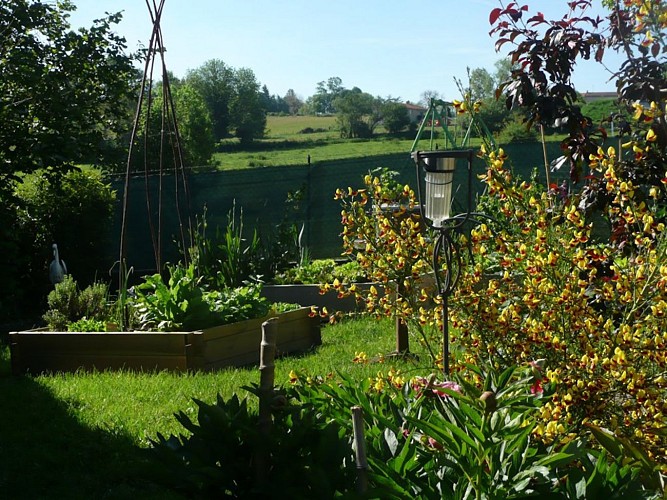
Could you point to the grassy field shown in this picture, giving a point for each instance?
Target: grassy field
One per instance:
(84, 435)
(285, 145)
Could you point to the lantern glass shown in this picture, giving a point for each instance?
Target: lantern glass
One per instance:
(439, 179)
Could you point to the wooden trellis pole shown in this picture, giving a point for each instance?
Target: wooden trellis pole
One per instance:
(266, 392)
(360, 448)
(170, 153)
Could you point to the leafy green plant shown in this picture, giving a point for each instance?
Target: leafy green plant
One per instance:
(306, 457)
(183, 302)
(67, 304)
(230, 305)
(87, 325)
(230, 259)
(322, 271)
(282, 307)
(471, 437)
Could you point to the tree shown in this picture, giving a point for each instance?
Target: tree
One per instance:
(214, 81)
(65, 98)
(293, 102)
(233, 98)
(195, 125)
(482, 84)
(322, 102)
(543, 58)
(427, 96)
(356, 113)
(266, 99)
(395, 117)
(195, 128)
(63, 94)
(247, 117)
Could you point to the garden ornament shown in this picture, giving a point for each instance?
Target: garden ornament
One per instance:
(57, 269)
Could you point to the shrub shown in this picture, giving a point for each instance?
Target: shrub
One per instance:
(76, 213)
(542, 289)
(67, 304)
(384, 233)
(516, 129)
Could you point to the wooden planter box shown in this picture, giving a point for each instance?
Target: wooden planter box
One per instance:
(237, 344)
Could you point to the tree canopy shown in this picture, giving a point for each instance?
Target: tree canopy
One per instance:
(65, 96)
(233, 96)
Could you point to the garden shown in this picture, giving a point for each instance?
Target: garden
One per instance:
(553, 383)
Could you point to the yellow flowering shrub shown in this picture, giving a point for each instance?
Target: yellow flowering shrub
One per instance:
(541, 288)
(383, 231)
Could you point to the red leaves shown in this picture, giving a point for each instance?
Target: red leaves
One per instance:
(494, 15)
(537, 19)
(512, 10)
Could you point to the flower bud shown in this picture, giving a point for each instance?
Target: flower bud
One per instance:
(490, 402)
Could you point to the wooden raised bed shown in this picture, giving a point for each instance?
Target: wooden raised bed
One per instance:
(237, 344)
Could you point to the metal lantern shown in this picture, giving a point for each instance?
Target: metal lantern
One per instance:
(439, 168)
(436, 171)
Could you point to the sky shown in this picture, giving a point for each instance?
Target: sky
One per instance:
(388, 48)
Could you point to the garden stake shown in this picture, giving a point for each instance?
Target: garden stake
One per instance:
(360, 448)
(267, 355)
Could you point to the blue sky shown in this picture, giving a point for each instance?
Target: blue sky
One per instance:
(395, 48)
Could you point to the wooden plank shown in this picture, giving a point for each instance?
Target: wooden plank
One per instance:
(234, 328)
(69, 363)
(119, 343)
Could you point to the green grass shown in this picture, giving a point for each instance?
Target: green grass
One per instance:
(284, 144)
(283, 127)
(84, 435)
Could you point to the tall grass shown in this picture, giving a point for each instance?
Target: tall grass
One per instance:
(83, 435)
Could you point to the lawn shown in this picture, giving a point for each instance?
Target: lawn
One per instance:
(84, 435)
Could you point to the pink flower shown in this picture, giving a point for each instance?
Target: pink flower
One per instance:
(436, 388)
(434, 444)
(537, 388)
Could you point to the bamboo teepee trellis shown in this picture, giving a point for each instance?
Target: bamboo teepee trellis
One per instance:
(170, 159)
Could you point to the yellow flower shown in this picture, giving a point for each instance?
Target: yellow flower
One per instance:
(651, 135)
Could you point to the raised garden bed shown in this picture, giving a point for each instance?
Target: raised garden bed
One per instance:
(237, 344)
(310, 295)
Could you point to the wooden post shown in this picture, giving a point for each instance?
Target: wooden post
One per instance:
(360, 448)
(266, 385)
(402, 342)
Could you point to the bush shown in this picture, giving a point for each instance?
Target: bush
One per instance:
(76, 213)
(67, 305)
(383, 232)
(517, 130)
(542, 289)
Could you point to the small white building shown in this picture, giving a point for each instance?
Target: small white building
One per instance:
(415, 112)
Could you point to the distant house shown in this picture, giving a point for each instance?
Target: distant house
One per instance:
(598, 96)
(415, 112)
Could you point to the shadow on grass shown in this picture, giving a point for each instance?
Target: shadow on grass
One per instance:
(46, 453)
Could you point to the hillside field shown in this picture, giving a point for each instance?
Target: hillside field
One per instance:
(286, 144)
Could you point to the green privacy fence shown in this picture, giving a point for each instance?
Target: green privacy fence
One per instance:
(261, 194)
